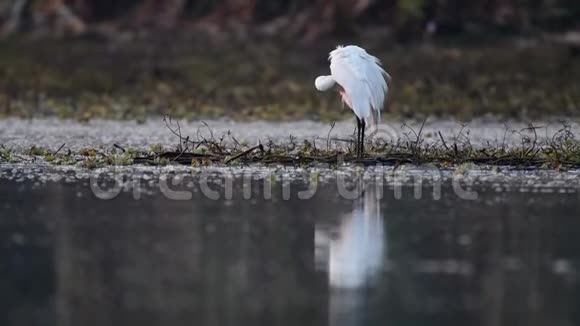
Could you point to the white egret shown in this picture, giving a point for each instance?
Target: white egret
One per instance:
(361, 84)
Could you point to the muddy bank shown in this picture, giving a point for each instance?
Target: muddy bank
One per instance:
(20, 134)
(162, 141)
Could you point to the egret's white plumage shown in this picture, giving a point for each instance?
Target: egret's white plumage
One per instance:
(353, 251)
(356, 254)
(361, 79)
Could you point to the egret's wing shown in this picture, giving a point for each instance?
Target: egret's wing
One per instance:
(353, 84)
(376, 83)
(361, 77)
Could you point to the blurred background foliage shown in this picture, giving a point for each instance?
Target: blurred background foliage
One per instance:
(257, 59)
(307, 20)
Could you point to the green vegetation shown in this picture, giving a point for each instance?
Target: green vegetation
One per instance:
(6, 154)
(84, 80)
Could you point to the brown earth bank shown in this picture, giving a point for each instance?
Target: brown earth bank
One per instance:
(195, 78)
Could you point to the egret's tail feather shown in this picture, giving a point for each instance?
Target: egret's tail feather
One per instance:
(375, 119)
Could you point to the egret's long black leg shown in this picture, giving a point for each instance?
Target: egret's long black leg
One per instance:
(362, 139)
(358, 135)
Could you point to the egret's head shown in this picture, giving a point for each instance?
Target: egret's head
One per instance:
(324, 83)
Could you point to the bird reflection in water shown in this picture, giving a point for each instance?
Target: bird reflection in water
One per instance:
(352, 253)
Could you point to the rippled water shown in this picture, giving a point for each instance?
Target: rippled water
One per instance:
(69, 258)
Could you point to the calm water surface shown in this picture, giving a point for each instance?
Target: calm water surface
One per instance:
(68, 258)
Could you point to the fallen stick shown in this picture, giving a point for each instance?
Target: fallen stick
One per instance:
(119, 147)
(58, 150)
(244, 153)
